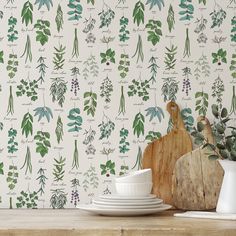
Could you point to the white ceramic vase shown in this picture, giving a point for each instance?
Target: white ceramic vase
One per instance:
(227, 198)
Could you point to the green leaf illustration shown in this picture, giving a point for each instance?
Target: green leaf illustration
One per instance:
(27, 125)
(27, 13)
(138, 124)
(138, 13)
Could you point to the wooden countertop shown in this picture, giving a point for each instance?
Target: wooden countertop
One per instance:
(76, 223)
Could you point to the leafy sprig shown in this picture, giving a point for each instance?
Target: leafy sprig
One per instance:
(42, 142)
(138, 124)
(76, 120)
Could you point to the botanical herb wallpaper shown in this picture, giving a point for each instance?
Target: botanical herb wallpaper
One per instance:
(85, 83)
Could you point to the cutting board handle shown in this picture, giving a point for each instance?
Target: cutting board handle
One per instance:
(174, 111)
(207, 131)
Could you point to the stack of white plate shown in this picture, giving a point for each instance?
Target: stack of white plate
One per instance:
(117, 205)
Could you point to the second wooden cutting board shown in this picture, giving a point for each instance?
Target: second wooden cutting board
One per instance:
(162, 154)
(196, 179)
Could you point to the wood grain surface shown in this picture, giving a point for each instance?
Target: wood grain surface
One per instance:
(196, 179)
(162, 154)
(76, 223)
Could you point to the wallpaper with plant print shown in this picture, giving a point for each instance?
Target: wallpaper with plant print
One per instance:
(84, 87)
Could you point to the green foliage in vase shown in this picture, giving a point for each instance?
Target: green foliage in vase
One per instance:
(28, 88)
(42, 31)
(138, 124)
(138, 13)
(27, 13)
(75, 120)
(58, 90)
(12, 32)
(41, 3)
(154, 31)
(27, 125)
(224, 134)
(42, 142)
(75, 11)
(90, 103)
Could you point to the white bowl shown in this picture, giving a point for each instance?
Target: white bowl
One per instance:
(139, 176)
(133, 189)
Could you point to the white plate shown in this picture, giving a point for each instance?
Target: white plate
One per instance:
(119, 197)
(127, 203)
(102, 206)
(122, 212)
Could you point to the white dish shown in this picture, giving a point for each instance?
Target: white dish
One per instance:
(102, 206)
(133, 189)
(119, 197)
(139, 176)
(122, 212)
(127, 203)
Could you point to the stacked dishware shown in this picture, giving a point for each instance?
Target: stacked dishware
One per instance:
(132, 197)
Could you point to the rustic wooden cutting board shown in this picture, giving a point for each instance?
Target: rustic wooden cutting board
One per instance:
(162, 154)
(196, 179)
